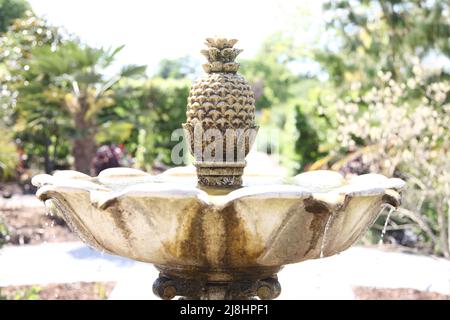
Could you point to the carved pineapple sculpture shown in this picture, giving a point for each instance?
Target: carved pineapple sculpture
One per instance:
(220, 125)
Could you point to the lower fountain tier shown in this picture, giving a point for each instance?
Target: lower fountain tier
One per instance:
(163, 221)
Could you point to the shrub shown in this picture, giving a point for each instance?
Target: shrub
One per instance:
(407, 129)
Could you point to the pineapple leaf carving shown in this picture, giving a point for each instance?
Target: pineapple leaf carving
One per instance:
(221, 55)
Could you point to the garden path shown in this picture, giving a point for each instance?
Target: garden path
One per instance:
(328, 278)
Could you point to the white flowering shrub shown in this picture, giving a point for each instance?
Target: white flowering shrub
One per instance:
(403, 128)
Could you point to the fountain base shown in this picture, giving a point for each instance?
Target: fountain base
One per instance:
(225, 286)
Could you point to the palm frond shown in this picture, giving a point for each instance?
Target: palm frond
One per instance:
(110, 55)
(132, 70)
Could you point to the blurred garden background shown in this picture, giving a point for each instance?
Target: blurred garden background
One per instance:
(355, 86)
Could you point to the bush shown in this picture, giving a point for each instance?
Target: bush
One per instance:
(407, 129)
(165, 110)
(144, 117)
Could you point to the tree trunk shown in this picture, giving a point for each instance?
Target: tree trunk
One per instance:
(84, 147)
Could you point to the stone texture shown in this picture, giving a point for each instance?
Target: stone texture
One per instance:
(220, 124)
(245, 234)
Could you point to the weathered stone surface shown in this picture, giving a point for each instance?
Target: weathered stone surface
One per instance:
(179, 224)
(220, 124)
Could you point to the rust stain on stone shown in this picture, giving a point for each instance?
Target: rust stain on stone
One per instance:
(117, 213)
(240, 247)
(320, 214)
(317, 227)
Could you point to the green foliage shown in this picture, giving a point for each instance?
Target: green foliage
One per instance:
(164, 104)
(15, 49)
(77, 90)
(114, 132)
(9, 156)
(72, 61)
(144, 116)
(390, 114)
(407, 134)
(11, 10)
(27, 294)
(180, 68)
(53, 90)
(374, 35)
(269, 71)
(300, 138)
(4, 233)
(32, 120)
(289, 101)
(307, 144)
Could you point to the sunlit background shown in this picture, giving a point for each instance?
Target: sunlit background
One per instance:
(156, 30)
(354, 86)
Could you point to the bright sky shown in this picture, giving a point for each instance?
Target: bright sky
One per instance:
(153, 30)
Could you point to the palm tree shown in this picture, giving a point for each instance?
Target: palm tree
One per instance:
(76, 77)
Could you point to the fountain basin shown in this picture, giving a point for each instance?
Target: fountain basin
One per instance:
(217, 235)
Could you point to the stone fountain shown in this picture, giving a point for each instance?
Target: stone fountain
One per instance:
(215, 231)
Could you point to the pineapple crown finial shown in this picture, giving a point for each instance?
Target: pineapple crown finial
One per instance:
(221, 54)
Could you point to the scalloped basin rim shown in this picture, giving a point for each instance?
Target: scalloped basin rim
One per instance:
(320, 184)
(312, 181)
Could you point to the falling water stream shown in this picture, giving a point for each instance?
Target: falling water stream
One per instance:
(324, 238)
(383, 232)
